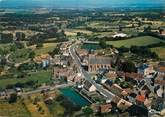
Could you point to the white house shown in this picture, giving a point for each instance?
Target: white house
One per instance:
(122, 35)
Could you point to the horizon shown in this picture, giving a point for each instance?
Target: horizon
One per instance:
(80, 3)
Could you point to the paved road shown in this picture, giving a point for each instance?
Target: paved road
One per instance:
(99, 88)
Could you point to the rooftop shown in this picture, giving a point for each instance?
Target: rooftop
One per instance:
(140, 98)
(99, 60)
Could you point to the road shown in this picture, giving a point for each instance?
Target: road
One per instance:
(85, 74)
(50, 88)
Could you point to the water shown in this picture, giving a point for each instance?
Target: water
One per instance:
(74, 97)
(90, 46)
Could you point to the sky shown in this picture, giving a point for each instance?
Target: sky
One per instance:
(78, 3)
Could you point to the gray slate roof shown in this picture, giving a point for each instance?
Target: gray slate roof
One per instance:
(99, 60)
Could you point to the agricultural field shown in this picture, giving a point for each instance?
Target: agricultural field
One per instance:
(47, 47)
(40, 76)
(160, 51)
(17, 109)
(138, 41)
(37, 110)
(73, 32)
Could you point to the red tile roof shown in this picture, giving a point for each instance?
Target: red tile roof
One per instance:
(140, 98)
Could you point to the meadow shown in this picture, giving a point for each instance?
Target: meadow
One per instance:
(137, 41)
(40, 76)
(160, 51)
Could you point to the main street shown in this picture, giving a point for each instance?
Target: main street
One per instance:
(85, 74)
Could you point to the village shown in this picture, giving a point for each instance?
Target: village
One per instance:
(89, 63)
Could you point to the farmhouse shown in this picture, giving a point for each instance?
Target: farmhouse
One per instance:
(98, 62)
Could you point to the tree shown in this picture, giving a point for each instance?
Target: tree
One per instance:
(20, 36)
(54, 52)
(87, 111)
(39, 45)
(32, 54)
(6, 38)
(127, 66)
(102, 44)
(13, 98)
(13, 48)
(160, 30)
(147, 29)
(120, 28)
(78, 34)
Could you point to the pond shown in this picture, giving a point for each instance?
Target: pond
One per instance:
(74, 97)
(90, 46)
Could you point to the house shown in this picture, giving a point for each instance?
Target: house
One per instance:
(83, 55)
(111, 75)
(88, 86)
(81, 52)
(98, 62)
(132, 97)
(63, 73)
(66, 53)
(121, 35)
(105, 108)
(123, 104)
(96, 108)
(44, 60)
(117, 90)
(60, 72)
(49, 100)
(142, 67)
(140, 99)
(101, 108)
(160, 68)
(162, 32)
(146, 69)
(107, 84)
(57, 59)
(158, 104)
(64, 46)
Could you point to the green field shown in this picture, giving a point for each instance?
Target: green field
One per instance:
(138, 41)
(41, 77)
(47, 47)
(13, 110)
(19, 55)
(160, 51)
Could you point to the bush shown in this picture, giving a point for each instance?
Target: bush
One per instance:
(13, 98)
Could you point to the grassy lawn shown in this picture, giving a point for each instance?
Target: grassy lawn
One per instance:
(138, 41)
(47, 47)
(160, 51)
(13, 110)
(40, 76)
